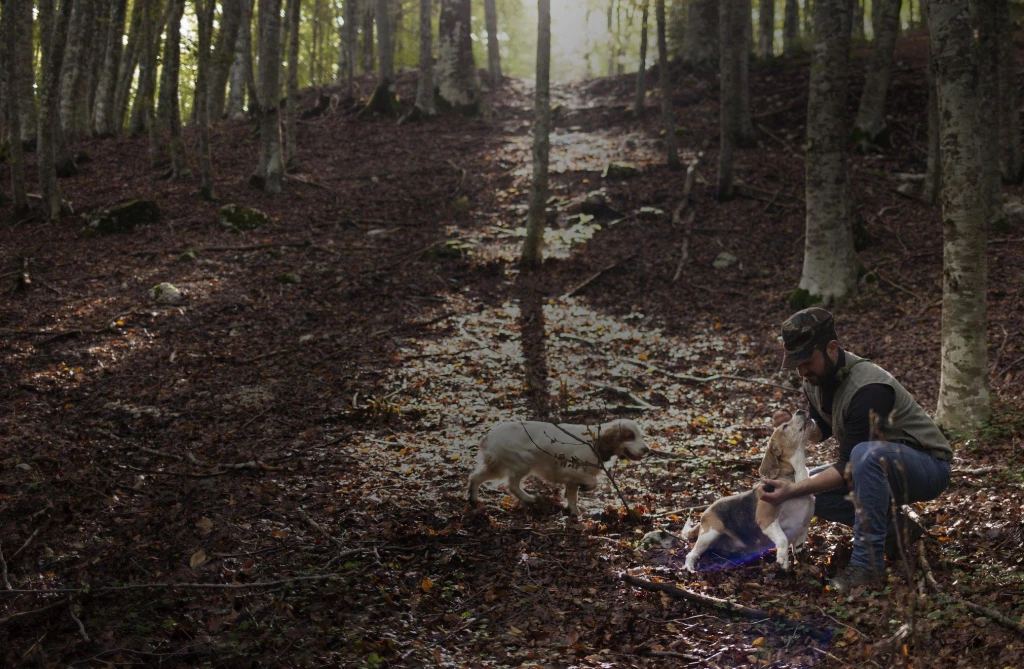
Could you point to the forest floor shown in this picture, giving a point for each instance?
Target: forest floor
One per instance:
(273, 472)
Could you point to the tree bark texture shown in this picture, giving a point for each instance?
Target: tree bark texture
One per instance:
(204, 17)
(870, 127)
(103, 109)
(984, 16)
(172, 65)
(493, 48)
(293, 13)
(268, 173)
(766, 29)
(533, 245)
(126, 68)
(26, 79)
(143, 105)
(80, 31)
(700, 45)
(223, 56)
(641, 72)
(665, 83)
(455, 66)
(963, 386)
(1011, 162)
(368, 35)
(242, 64)
(830, 265)
(731, 41)
(791, 28)
(350, 44)
(97, 52)
(11, 21)
(425, 84)
(933, 173)
(53, 30)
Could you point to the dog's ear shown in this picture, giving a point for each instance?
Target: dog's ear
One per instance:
(770, 465)
(607, 442)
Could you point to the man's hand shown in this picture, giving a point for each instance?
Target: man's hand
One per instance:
(781, 416)
(779, 491)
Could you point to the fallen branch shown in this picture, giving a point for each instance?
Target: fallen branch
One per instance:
(701, 379)
(26, 614)
(703, 600)
(977, 470)
(81, 627)
(3, 569)
(1008, 623)
(29, 540)
(595, 276)
(176, 586)
(684, 246)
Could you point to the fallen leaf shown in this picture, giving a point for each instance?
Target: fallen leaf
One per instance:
(205, 526)
(198, 559)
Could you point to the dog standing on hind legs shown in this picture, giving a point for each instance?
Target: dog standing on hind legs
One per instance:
(743, 523)
(563, 453)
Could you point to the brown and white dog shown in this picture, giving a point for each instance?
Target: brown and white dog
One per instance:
(563, 453)
(743, 523)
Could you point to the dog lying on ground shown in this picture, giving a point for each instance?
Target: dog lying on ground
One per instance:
(743, 524)
(564, 453)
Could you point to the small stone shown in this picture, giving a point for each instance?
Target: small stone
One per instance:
(908, 188)
(724, 260)
(650, 213)
(124, 217)
(25, 466)
(239, 218)
(620, 171)
(166, 293)
(1013, 212)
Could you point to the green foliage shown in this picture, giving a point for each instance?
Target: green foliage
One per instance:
(801, 298)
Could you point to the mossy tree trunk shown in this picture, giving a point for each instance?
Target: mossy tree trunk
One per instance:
(268, 174)
(665, 83)
(830, 265)
(641, 71)
(455, 65)
(870, 128)
(963, 386)
(533, 245)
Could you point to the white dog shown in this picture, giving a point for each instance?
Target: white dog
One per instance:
(743, 523)
(569, 454)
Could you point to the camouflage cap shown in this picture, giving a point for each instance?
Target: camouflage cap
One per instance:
(803, 331)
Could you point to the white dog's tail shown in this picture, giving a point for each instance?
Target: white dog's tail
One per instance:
(690, 530)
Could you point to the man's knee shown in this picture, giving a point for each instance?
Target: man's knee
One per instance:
(867, 454)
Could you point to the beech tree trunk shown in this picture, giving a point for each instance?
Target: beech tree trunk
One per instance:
(223, 56)
(349, 46)
(791, 29)
(26, 68)
(171, 65)
(242, 64)
(204, 17)
(11, 22)
(293, 13)
(79, 33)
(493, 48)
(425, 83)
(455, 65)
(766, 29)
(870, 128)
(984, 18)
(1011, 162)
(641, 72)
(368, 36)
(700, 45)
(731, 44)
(103, 109)
(143, 105)
(268, 173)
(126, 68)
(830, 264)
(533, 245)
(963, 386)
(53, 31)
(665, 82)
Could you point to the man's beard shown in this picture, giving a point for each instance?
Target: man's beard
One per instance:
(830, 370)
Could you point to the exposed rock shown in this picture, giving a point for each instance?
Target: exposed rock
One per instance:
(124, 217)
(166, 293)
(724, 260)
(1013, 212)
(237, 217)
(620, 171)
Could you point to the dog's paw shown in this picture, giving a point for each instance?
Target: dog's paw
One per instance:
(691, 564)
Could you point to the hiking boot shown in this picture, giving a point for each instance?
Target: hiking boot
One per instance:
(909, 532)
(853, 576)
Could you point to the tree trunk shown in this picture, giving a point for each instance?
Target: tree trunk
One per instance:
(53, 30)
(349, 46)
(204, 18)
(126, 67)
(223, 56)
(314, 47)
(103, 109)
(455, 66)
(268, 174)
(665, 83)
(243, 62)
(857, 26)
(700, 46)
(293, 13)
(610, 14)
(933, 175)
(745, 133)
(766, 29)
(1011, 162)
(731, 45)
(870, 128)
(11, 20)
(808, 20)
(368, 40)
(984, 18)
(172, 66)
(830, 263)
(143, 106)
(791, 29)
(963, 387)
(533, 245)
(80, 32)
(26, 89)
(425, 84)
(641, 72)
(493, 49)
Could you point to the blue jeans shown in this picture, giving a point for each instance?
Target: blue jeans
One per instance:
(879, 467)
